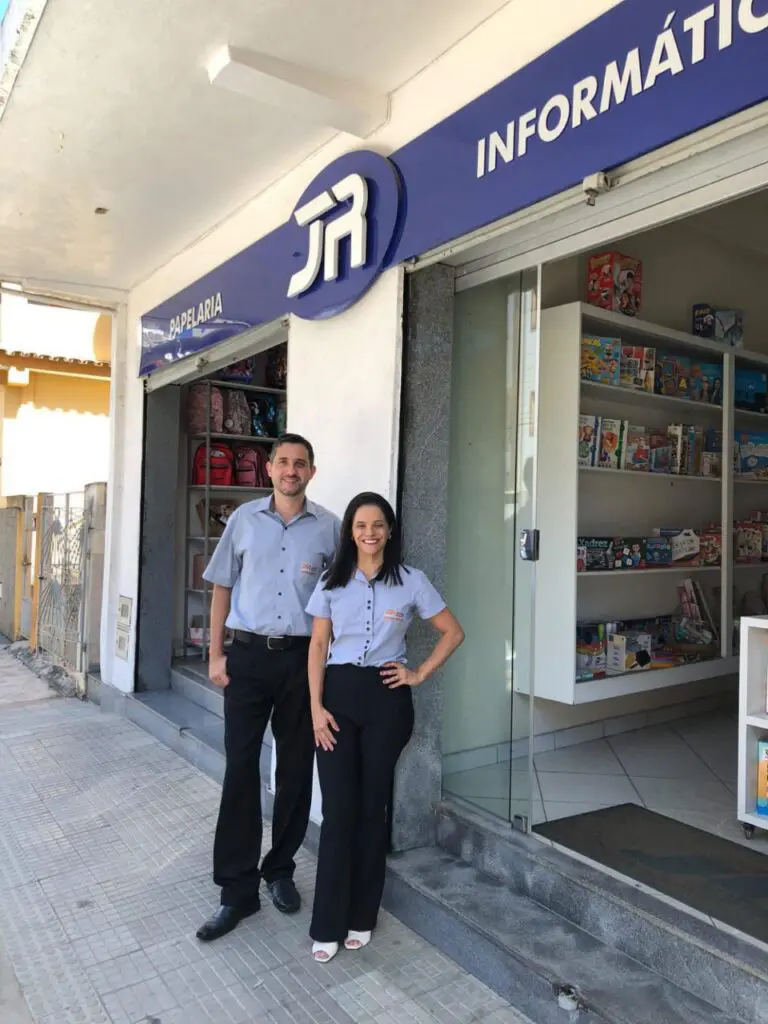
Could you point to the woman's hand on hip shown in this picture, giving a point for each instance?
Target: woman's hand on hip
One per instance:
(324, 725)
(394, 674)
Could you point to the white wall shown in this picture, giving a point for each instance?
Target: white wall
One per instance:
(344, 394)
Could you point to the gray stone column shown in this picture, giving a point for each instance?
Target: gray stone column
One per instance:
(157, 593)
(423, 509)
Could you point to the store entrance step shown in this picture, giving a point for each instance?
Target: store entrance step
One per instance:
(187, 728)
(193, 684)
(547, 967)
(686, 950)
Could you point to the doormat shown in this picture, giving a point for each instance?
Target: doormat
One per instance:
(720, 878)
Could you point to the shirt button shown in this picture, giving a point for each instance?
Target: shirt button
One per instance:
(282, 549)
(279, 594)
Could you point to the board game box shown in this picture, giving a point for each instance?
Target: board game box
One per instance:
(673, 376)
(615, 282)
(638, 367)
(594, 554)
(751, 390)
(636, 453)
(628, 553)
(707, 383)
(601, 360)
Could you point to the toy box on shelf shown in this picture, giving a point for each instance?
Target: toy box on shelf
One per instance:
(601, 360)
(723, 325)
(707, 383)
(628, 652)
(594, 554)
(611, 444)
(636, 454)
(615, 282)
(751, 390)
(590, 650)
(638, 368)
(673, 376)
(752, 454)
(589, 434)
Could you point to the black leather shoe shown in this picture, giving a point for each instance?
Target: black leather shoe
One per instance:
(285, 895)
(224, 921)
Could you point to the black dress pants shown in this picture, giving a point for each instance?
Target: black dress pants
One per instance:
(263, 683)
(356, 778)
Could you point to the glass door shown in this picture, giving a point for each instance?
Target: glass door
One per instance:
(491, 481)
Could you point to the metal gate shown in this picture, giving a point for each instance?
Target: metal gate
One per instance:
(24, 579)
(62, 579)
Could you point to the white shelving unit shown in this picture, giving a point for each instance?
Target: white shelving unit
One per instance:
(753, 717)
(575, 502)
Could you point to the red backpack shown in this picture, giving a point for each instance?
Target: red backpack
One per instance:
(251, 467)
(222, 466)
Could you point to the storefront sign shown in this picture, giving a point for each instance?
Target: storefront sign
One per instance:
(631, 81)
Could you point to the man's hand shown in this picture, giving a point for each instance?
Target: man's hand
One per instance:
(217, 670)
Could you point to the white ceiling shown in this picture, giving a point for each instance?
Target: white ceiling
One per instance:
(113, 108)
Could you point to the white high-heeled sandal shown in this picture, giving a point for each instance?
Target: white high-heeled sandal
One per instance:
(357, 940)
(324, 952)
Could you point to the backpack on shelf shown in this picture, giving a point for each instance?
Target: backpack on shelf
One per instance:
(277, 366)
(251, 467)
(197, 409)
(222, 466)
(239, 373)
(237, 414)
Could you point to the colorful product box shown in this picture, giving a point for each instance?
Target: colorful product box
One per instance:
(676, 432)
(615, 282)
(590, 651)
(610, 444)
(751, 390)
(707, 383)
(594, 554)
(762, 777)
(753, 454)
(723, 325)
(711, 547)
(628, 652)
(657, 551)
(601, 360)
(660, 452)
(629, 553)
(712, 464)
(589, 432)
(636, 452)
(693, 450)
(673, 376)
(685, 544)
(748, 538)
(638, 368)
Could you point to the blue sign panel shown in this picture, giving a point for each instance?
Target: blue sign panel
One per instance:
(633, 80)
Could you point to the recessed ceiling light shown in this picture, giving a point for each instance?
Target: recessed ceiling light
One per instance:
(100, 211)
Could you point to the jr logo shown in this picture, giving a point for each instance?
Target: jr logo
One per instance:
(340, 233)
(324, 238)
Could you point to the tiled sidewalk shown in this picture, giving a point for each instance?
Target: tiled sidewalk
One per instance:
(105, 840)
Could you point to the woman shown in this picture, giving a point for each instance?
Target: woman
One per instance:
(362, 711)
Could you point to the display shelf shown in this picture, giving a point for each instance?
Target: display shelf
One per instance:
(234, 489)
(642, 475)
(667, 339)
(253, 388)
(627, 396)
(753, 717)
(569, 505)
(202, 540)
(748, 480)
(663, 570)
(653, 679)
(233, 437)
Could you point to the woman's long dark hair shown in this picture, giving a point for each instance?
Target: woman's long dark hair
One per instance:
(345, 562)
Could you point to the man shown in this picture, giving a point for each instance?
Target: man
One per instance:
(263, 572)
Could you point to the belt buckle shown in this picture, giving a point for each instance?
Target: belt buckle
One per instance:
(280, 639)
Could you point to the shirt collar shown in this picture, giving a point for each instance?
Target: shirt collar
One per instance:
(268, 505)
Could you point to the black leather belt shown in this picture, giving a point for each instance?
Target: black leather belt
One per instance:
(271, 643)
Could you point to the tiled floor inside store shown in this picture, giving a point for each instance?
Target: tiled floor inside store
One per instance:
(685, 769)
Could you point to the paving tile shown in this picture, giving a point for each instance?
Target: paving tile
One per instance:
(105, 876)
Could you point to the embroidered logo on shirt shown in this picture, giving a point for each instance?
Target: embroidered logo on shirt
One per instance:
(393, 615)
(308, 569)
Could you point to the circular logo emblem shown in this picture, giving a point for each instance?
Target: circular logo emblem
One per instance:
(340, 233)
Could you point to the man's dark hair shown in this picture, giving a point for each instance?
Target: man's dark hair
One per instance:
(292, 439)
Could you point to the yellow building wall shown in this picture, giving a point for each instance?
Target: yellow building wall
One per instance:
(55, 435)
